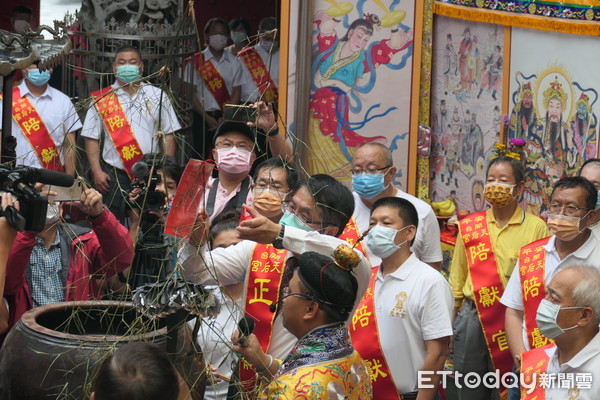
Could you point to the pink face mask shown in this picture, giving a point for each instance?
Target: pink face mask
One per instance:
(234, 160)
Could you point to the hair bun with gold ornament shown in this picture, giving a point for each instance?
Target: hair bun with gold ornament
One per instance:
(345, 257)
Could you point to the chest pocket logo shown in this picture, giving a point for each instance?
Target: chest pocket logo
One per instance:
(398, 310)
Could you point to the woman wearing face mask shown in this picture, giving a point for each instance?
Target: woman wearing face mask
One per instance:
(485, 255)
(410, 308)
(217, 78)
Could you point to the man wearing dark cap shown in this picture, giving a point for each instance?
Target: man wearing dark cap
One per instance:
(316, 303)
(234, 154)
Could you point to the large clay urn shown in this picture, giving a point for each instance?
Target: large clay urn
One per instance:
(54, 351)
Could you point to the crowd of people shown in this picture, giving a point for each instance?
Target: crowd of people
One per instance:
(343, 284)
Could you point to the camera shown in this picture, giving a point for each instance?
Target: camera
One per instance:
(19, 182)
(146, 178)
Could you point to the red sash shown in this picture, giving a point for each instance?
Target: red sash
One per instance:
(351, 235)
(263, 287)
(532, 261)
(118, 128)
(212, 79)
(365, 338)
(534, 361)
(260, 74)
(487, 287)
(34, 129)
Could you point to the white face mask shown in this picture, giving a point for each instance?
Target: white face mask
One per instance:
(20, 26)
(380, 240)
(546, 316)
(266, 44)
(217, 42)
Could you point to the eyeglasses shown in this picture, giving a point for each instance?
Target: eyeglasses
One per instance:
(569, 210)
(286, 292)
(358, 171)
(290, 206)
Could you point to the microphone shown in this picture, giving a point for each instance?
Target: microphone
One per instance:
(139, 170)
(48, 177)
(246, 327)
(273, 307)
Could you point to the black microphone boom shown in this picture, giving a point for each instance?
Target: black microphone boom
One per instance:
(48, 177)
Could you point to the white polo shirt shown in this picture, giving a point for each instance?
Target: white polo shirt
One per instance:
(142, 111)
(228, 66)
(413, 304)
(426, 246)
(214, 337)
(250, 92)
(57, 111)
(588, 253)
(230, 265)
(585, 364)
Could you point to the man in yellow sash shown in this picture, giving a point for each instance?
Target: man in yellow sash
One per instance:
(323, 364)
(485, 254)
(44, 123)
(216, 77)
(128, 115)
(570, 213)
(373, 179)
(570, 369)
(403, 324)
(260, 65)
(315, 213)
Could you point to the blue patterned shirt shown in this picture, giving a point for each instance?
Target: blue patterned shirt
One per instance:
(46, 265)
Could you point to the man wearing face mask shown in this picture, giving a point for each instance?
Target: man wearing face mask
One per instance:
(261, 65)
(570, 213)
(216, 76)
(234, 154)
(484, 257)
(569, 315)
(316, 212)
(61, 262)
(407, 309)
(590, 170)
(273, 180)
(373, 179)
(44, 123)
(128, 115)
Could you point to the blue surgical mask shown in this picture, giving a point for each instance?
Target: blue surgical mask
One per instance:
(545, 318)
(238, 37)
(37, 77)
(128, 73)
(291, 219)
(368, 185)
(380, 240)
(598, 201)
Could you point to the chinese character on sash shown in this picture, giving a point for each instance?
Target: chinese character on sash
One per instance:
(374, 369)
(361, 315)
(31, 125)
(48, 154)
(129, 152)
(115, 121)
(500, 338)
(259, 292)
(488, 296)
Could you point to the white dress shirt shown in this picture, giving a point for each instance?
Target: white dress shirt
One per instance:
(588, 253)
(250, 92)
(228, 66)
(426, 246)
(231, 265)
(57, 111)
(579, 369)
(143, 112)
(413, 304)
